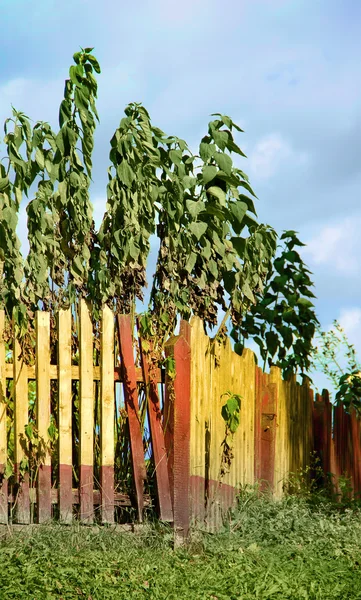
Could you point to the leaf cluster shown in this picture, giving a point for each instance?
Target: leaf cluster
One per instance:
(282, 321)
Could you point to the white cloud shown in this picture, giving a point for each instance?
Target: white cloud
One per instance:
(269, 154)
(337, 246)
(36, 98)
(350, 321)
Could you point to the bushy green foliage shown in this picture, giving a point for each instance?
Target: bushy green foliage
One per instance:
(282, 319)
(200, 208)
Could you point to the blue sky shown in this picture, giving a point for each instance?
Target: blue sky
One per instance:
(286, 70)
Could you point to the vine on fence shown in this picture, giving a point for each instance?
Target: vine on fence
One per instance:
(231, 415)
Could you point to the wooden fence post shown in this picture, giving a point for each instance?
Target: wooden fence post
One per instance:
(86, 406)
(132, 407)
(21, 412)
(43, 412)
(322, 427)
(177, 429)
(265, 430)
(65, 417)
(3, 429)
(107, 410)
(158, 442)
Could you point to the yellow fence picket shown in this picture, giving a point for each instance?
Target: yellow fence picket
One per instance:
(107, 409)
(86, 405)
(43, 413)
(3, 435)
(65, 416)
(21, 412)
(199, 424)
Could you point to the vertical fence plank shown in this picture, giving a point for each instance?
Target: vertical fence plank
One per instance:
(199, 420)
(322, 416)
(177, 416)
(107, 416)
(86, 405)
(355, 450)
(43, 412)
(283, 439)
(132, 407)
(65, 416)
(268, 435)
(3, 436)
(22, 503)
(158, 442)
(257, 424)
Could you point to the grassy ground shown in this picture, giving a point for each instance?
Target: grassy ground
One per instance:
(266, 550)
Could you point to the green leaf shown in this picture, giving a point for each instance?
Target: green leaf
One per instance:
(304, 303)
(195, 208)
(125, 173)
(190, 264)
(206, 151)
(239, 245)
(238, 210)
(221, 139)
(175, 156)
(272, 342)
(217, 192)
(93, 61)
(189, 182)
(209, 172)
(224, 162)
(4, 182)
(212, 267)
(198, 229)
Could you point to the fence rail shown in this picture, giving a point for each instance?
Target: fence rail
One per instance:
(91, 431)
(80, 403)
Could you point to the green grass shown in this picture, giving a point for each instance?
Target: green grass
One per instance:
(266, 550)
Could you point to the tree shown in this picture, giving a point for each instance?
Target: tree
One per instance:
(213, 254)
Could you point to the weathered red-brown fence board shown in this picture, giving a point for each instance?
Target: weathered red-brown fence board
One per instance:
(192, 478)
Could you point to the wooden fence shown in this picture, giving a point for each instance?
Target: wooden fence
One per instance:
(169, 453)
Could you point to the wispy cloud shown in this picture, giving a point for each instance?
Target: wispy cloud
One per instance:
(350, 321)
(337, 246)
(269, 155)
